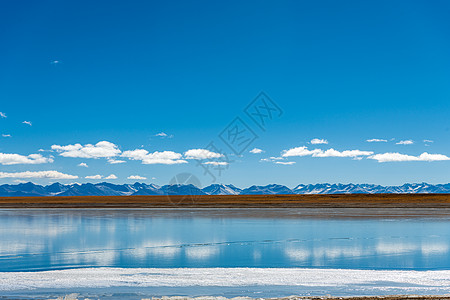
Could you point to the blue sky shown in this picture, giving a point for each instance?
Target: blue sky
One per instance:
(120, 73)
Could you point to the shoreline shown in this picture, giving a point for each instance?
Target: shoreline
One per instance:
(430, 201)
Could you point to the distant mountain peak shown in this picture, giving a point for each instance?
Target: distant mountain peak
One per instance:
(110, 189)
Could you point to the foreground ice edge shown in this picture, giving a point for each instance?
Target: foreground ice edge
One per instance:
(226, 277)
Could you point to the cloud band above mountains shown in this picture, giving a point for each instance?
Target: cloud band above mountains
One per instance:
(111, 151)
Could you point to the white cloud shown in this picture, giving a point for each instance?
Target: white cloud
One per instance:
(20, 181)
(256, 151)
(115, 161)
(377, 141)
(318, 141)
(164, 157)
(2, 115)
(16, 159)
(272, 158)
(38, 174)
(164, 135)
(112, 176)
(136, 177)
(285, 162)
(299, 151)
(304, 151)
(395, 156)
(27, 122)
(6, 135)
(99, 150)
(346, 153)
(201, 154)
(55, 62)
(216, 163)
(94, 177)
(137, 154)
(277, 160)
(405, 142)
(428, 141)
(83, 165)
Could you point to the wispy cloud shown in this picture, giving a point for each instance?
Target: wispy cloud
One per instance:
(115, 161)
(38, 174)
(405, 142)
(285, 162)
(256, 151)
(2, 115)
(376, 141)
(17, 159)
(102, 149)
(93, 177)
(164, 157)
(27, 123)
(272, 158)
(428, 141)
(216, 163)
(164, 135)
(136, 177)
(83, 165)
(277, 160)
(6, 135)
(304, 151)
(397, 157)
(55, 62)
(318, 141)
(201, 154)
(20, 181)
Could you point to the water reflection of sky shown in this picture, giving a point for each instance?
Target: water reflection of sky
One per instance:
(42, 240)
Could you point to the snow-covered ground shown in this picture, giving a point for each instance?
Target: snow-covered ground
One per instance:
(229, 282)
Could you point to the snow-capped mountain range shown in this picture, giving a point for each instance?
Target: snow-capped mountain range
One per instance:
(109, 189)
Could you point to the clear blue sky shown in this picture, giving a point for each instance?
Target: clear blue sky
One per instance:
(343, 72)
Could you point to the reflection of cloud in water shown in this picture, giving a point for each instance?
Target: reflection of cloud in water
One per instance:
(256, 254)
(395, 248)
(99, 258)
(163, 252)
(335, 252)
(11, 230)
(434, 248)
(104, 258)
(159, 243)
(297, 254)
(17, 247)
(201, 252)
(161, 248)
(166, 252)
(320, 253)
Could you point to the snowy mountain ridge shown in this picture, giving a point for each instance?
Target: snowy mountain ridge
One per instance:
(109, 189)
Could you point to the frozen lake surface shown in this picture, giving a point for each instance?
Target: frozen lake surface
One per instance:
(41, 240)
(222, 252)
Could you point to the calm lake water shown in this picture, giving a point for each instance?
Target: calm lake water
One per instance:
(36, 240)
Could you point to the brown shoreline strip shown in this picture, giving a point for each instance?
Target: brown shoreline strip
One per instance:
(435, 201)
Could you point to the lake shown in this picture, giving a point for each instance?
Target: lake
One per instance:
(43, 240)
(51, 239)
